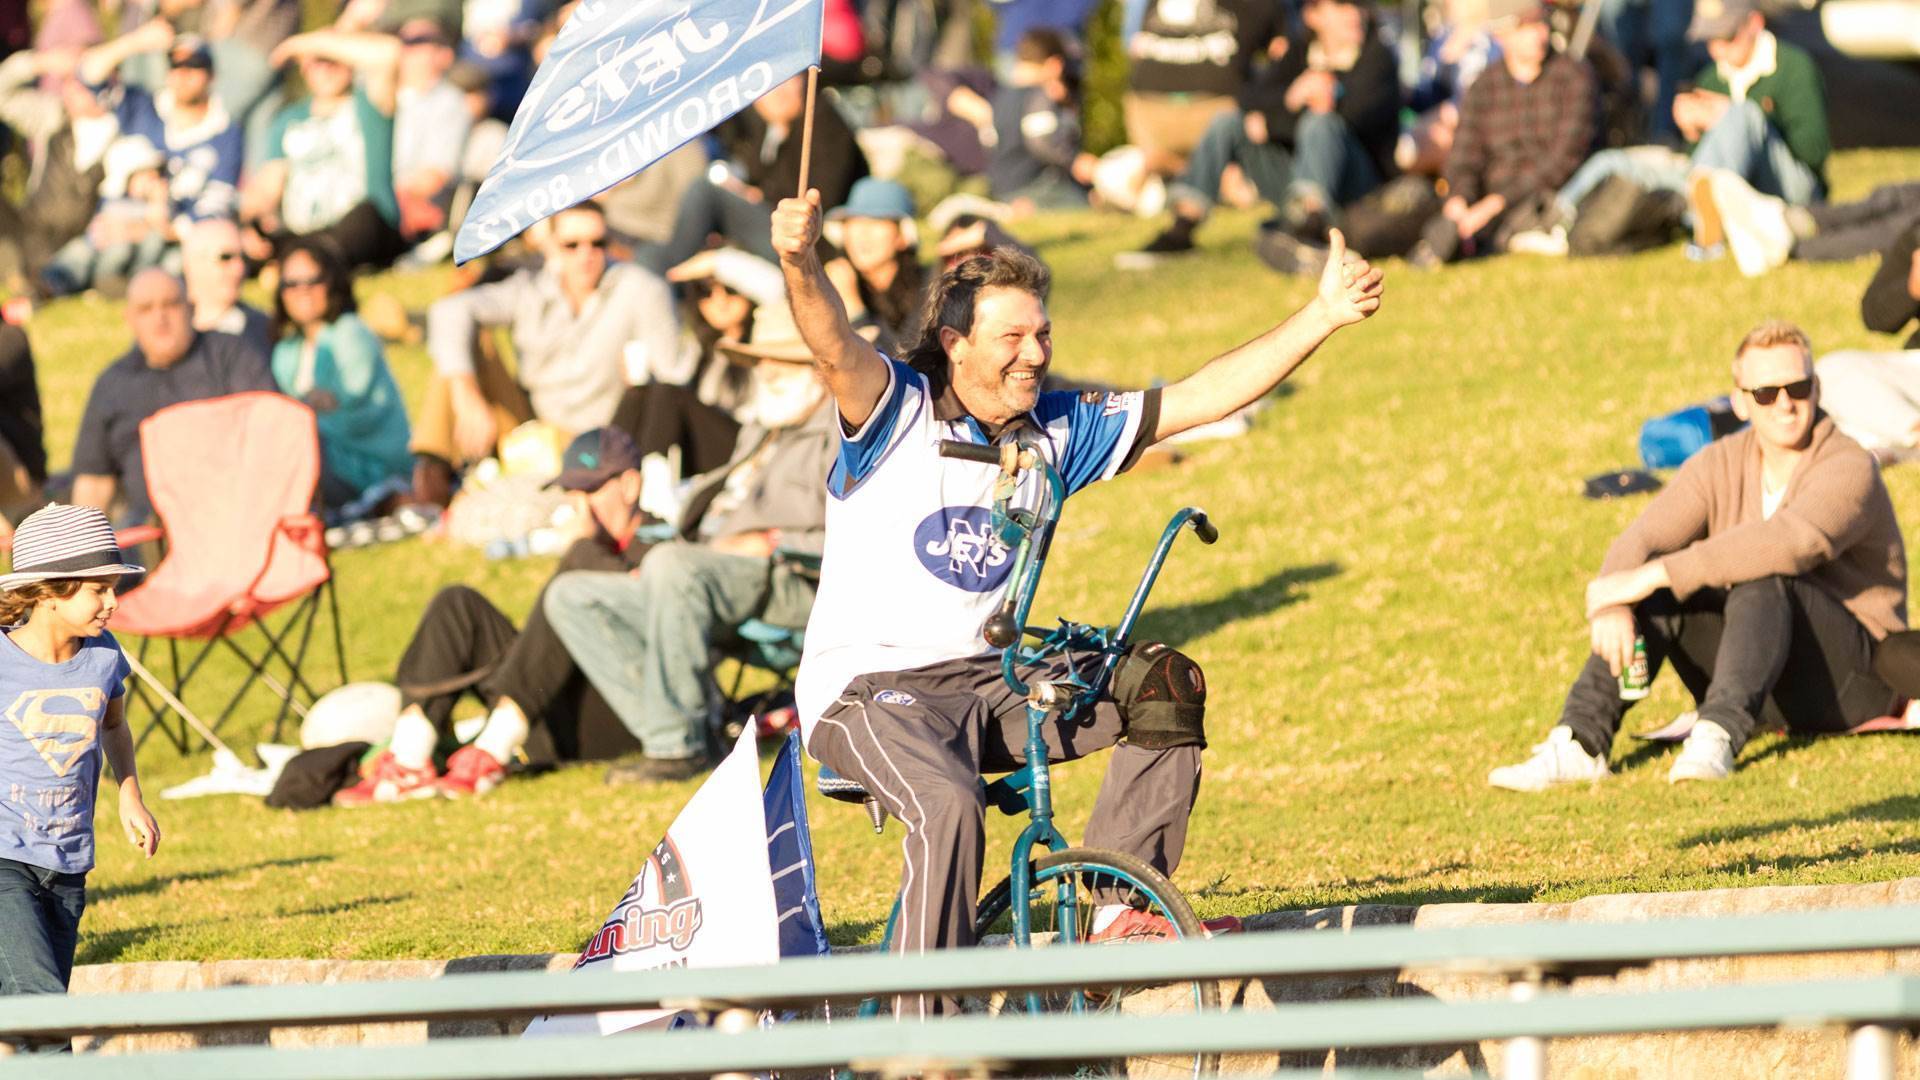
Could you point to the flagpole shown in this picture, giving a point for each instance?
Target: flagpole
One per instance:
(806, 123)
(806, 131)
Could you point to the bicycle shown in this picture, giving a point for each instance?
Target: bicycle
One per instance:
(1052, 899)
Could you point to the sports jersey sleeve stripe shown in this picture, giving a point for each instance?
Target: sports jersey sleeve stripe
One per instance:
(1143, 435)
(1100, 436)
(861, 450)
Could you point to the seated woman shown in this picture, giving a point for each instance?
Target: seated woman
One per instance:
(327, 357)
(700, 422)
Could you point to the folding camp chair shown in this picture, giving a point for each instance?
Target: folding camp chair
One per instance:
(232, 480)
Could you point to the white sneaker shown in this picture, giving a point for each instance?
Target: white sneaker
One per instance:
(1706, 755)
(1559, 760)
(1550, 242)
(1755, 225)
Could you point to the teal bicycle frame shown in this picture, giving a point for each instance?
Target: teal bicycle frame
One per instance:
(1030, 532)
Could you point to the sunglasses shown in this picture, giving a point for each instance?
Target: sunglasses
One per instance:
(598, 243)
(301, 283)
(1765, 395)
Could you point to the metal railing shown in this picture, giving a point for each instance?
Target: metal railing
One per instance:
(1534, 958)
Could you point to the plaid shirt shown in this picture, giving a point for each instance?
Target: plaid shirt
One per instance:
(1521, 139)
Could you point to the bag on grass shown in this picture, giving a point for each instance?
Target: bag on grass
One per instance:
(1667, 441)
(312, 776)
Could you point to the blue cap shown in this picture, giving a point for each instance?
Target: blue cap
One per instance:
(595, 457)
(873, 198)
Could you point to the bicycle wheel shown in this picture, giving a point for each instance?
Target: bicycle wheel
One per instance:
(1113, 877)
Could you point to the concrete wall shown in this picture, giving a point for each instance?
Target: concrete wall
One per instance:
(1796, 1053)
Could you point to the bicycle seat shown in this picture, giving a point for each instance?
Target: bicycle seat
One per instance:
(847, 790)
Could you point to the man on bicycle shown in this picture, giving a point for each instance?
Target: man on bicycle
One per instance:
(897, 689)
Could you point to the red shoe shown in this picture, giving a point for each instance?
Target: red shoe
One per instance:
(385, 780)
(471, 771)
(1136, 925)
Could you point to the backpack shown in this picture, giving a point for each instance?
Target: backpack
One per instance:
(1667, 441)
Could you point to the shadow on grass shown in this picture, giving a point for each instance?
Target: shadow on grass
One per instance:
(1900, 808)
(1182, 623)
(851, 932)
(356, 904)
(158, 884)
(1778, 864)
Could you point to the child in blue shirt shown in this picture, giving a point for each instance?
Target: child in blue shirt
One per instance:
(62, 709)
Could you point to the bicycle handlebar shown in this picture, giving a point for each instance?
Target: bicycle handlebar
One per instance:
(1203, 528)
(970, 451)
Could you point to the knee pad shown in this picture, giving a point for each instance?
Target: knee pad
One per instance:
(1162, 695)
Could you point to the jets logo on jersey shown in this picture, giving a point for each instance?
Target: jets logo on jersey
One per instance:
(957, 545)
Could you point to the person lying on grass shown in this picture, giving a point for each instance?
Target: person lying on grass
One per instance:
(897, 688)
(1766, 572)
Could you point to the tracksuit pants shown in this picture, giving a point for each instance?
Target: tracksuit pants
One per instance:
(919, 740)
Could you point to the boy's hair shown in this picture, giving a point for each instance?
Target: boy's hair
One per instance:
(952, 299)
(17, 604)
(1041, 44)
(1771, 334)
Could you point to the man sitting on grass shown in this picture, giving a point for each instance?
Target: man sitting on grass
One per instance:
(526, 677)
(1766, 572)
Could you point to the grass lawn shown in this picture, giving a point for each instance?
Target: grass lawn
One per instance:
(1394, 608)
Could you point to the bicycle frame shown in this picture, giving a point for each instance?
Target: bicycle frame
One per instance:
(1031, 787)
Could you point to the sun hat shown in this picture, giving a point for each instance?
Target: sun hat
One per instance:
(883, 200)
(62, 541)
(775, 337)
(595, 457)
(875, 198)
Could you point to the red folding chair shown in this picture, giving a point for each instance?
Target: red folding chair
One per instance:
(232, 480)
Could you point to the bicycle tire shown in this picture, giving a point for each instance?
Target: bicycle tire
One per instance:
(1146, 888)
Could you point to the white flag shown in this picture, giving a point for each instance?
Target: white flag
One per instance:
(705, 897)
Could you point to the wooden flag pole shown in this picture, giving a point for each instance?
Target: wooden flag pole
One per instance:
(806, 131)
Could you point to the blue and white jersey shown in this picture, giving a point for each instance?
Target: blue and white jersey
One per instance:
(911, 568)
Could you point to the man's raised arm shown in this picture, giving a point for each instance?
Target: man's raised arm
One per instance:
(1350, 291)
(853, 370)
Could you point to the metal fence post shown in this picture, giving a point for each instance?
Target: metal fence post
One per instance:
(1526, 1057)
(1870, 1050)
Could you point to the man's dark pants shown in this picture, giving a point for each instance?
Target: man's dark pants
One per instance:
(462, 633)
(39, 928)
(1776, 651)
(919, 740)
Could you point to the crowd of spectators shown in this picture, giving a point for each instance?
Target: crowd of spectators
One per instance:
(175, 150)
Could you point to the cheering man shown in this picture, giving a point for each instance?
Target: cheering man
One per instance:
(897, 688)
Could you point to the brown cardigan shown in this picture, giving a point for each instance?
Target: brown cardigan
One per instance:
(1835, 527)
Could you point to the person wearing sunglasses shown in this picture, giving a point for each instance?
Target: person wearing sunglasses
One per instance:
(579, 323)
(215, 269)
(1767, 572)
(329, 359)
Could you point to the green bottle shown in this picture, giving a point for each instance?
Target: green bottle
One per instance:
(1635, 680)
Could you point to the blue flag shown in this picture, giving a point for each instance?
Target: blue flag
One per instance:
(790, 856)
(626, 83)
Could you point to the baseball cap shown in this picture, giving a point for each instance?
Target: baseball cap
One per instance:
(423, 32)
(595, 457)
(190, 51)
(1718, 20)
